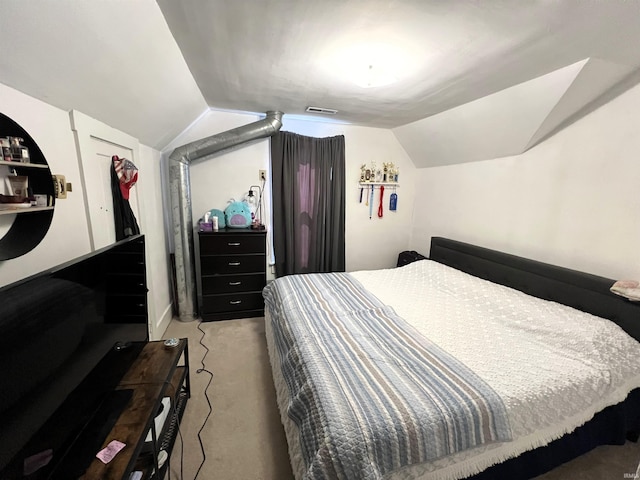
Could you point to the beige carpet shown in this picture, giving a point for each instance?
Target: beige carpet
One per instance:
(244, 439)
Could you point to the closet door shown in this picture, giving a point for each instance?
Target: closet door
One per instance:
(97, 143)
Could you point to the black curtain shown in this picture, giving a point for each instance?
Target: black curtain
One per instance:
(308, 178)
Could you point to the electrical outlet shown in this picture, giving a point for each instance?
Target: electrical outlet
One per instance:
(263, 175)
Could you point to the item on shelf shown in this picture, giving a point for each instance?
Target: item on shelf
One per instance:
(205, 226)
(211, 221)
(14, 206)
(13, 150)
(219, 214)
(387, 174)
(255, 204)
(252, 202)
(18, 184)
(12, 199)
(40, 200)
(5, 149)
(371, 203)
(380, 209)
(393, 202)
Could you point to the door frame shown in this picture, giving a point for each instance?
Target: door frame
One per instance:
(85, 130)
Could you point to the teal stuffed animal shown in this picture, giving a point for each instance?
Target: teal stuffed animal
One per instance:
(220, 214)
(237, 215)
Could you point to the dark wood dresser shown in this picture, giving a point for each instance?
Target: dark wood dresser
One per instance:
(232, 273)
(126, 283)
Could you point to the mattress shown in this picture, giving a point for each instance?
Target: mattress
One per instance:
(553, 367)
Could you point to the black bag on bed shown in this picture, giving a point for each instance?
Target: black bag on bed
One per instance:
(409, 256)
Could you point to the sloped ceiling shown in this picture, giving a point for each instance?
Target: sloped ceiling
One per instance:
(483, 79)
(512, 120)
(151, 69)
(115, 61)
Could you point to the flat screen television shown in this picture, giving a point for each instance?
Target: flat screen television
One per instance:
(68, 335)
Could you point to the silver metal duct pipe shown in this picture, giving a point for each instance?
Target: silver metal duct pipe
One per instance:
(180, 194)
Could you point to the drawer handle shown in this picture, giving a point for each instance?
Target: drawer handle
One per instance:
(234, 264)
(234, 244)
(140, 304)
(235, 302)
(235, 284)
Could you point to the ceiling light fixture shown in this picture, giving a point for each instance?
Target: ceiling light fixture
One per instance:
(374, 76)
(369, 64)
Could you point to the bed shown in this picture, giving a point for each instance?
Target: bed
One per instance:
(470, 364)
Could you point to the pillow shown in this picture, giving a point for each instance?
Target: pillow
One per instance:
(627, 288)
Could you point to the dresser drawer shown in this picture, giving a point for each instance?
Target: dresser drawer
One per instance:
(223, 244)
(233, 283)
(127, 263)
(124, 305)
(232, 302)
(126, 283)
(231, 264)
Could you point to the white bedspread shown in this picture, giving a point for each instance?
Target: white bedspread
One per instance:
(553, 366)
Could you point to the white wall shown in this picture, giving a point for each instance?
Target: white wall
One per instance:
(157, 256)
(369, 243)
(68, 236)
(229, 174)
(572, 200)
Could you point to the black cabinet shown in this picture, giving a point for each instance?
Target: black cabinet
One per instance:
(232, 273)
(126, 283)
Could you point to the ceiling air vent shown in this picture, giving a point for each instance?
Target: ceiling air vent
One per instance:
(324, 111)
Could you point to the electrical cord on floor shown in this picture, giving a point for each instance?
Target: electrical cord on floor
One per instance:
(204, 370)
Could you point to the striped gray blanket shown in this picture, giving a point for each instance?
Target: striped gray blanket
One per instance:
(369, 394)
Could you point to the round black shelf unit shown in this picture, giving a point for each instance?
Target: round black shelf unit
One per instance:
(29, 227)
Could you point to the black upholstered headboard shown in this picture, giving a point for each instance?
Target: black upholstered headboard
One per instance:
(583, 291)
